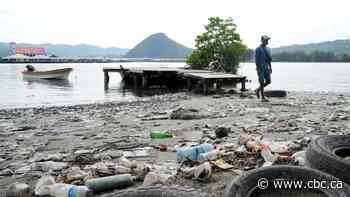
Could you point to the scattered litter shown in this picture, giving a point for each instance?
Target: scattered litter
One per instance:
(203, 171)
(153, 178)
(160, 135)
(18, 190)
(192, 153)
(299, 157)
(110, 182)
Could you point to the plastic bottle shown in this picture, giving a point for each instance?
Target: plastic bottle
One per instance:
(160, 135)
(192, 153)
(267, 154)
(66, 190)
(110, 182)
(209, 156)
(18, 190)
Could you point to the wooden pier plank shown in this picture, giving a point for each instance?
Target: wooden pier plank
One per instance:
(143, 73)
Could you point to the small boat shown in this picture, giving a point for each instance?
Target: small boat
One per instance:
(48, 74)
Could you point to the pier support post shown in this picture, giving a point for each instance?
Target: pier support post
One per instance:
(106, 80)
(205, 86)
(134, 77)
(144, 81)
(243, 84)
(189, 84)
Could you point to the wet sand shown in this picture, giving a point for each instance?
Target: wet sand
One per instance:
(125, 127)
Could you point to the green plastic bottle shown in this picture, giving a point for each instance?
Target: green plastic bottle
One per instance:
(160, 135)
(110, 182)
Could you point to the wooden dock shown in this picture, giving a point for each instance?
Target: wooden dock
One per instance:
(144, 77)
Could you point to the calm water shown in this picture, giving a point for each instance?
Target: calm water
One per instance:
(85, 84)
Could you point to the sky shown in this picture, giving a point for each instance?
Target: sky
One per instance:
(124, 23)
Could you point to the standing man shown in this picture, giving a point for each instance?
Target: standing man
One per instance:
(263, 67)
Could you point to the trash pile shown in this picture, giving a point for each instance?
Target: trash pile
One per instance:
(85, 172)
(199, 162)
(99, 177)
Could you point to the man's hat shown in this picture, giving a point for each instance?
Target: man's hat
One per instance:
(265, 37)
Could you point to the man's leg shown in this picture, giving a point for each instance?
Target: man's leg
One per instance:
(261, 83)
(267, 81)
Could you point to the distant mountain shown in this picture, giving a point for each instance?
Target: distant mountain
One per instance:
(81, 50)
(159, 46)
(336, 47)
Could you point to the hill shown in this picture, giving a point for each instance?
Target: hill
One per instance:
(81, 50)
(159, 46)
(337, 47)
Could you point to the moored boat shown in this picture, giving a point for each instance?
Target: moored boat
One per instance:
(48, 74)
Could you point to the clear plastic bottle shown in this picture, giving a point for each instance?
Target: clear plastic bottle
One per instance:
(267, 154)
(209, 156)
(192, 153)
(66, 190)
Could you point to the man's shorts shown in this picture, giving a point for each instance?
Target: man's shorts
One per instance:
(264, 75)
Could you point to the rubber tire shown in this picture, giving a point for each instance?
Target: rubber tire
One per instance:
(244, 185)
(159, 191)
(320, 155)
(275, 93)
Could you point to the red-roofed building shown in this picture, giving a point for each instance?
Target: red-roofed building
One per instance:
(30, 51)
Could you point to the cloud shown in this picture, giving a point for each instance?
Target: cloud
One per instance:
(125, 23)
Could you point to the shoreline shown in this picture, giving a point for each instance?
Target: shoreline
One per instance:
(148, 98)
(28, 133)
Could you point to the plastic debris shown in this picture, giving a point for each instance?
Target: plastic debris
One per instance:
(299, 157)
(66, 190)
(160, 135)
(209, 156)
(18, 190)
(76, 174)
(42, 187)
(203, 171)
(110, 182)
(153, 178)
(192, 154)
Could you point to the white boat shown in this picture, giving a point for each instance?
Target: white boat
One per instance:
(49, 74)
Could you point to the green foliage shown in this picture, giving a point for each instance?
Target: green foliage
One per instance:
(220, 40)
(315, 56)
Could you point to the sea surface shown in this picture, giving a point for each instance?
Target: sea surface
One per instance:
(86, 83)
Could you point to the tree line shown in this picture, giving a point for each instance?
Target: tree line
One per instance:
(302, 56)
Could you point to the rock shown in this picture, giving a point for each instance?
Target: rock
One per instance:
(186, 114)
(222, 132)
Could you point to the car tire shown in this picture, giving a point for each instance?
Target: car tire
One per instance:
(275, 93)
(159, 191)
(324, 153)
(247, 184)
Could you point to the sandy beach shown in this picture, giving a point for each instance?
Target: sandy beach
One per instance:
(110, 130)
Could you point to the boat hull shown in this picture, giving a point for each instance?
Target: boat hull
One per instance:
(52, 74)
